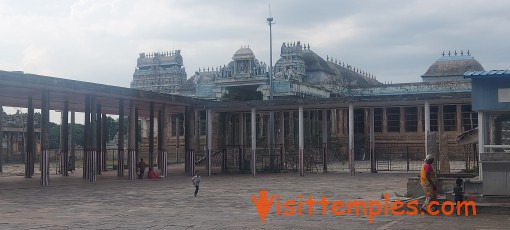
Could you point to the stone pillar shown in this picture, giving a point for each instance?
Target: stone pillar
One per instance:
(190, 137)
(366, 122)
(132, 159)
(282, 140)
(308, 129)
(402, 120)
(242, 126)
(72, 161)
(427, 125)
(163, 142)
(45, 125)
(29, 145)
(160, 147)
(253, 141)
(325, 140)
(99, 140)
(86, 133)
(2, 139)
(301, 142)
(384, 120)
(196, 122)
(272, 139)
(373, 165)
(120, 144)
(65, 141)
(151, 136)
(444, 162)
(93, 139)
(242, 136)
(138, 126)
(351, 140)
(292, 139)
(209, 142)
(177, 139)
(333, 122)
(104, 139)
(282, 128)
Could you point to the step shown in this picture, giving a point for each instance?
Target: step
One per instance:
(501, 207)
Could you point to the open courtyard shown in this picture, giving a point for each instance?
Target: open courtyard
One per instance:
(224, 202)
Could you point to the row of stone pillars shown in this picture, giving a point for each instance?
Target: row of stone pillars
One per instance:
(95, 138)
(190, 157)
(162, 154)
(30, 140)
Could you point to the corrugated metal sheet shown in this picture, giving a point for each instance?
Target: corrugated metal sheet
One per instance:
(487, 74)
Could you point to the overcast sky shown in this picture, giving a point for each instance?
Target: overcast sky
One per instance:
(100, 40)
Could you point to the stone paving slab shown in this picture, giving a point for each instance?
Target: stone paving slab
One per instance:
(224, 202)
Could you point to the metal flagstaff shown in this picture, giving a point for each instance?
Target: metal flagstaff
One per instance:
(271, 113)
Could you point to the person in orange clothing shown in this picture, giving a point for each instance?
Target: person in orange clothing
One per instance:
(428, 181)
(152, 174)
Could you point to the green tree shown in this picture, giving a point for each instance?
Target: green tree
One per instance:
(54, 136)
(112, 126)
(78, 131)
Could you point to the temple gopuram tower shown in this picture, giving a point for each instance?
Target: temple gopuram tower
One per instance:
(161, 72)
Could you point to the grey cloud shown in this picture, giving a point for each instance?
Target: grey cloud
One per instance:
(395, 40)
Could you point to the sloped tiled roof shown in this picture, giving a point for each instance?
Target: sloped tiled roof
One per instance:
(342, 74)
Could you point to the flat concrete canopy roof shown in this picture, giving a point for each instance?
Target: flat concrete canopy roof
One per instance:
(339, 102)
(16, 88)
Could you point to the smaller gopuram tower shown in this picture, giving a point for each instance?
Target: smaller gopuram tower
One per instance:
(161, 72)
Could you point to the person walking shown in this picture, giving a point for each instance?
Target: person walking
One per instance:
(141, 167)
(428, 181)
(196, 182)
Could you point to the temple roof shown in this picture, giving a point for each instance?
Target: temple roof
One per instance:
(243, 53)
(452, 66)
(159, 59)
(343, 74)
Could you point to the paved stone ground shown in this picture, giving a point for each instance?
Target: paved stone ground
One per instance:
(224, 202)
